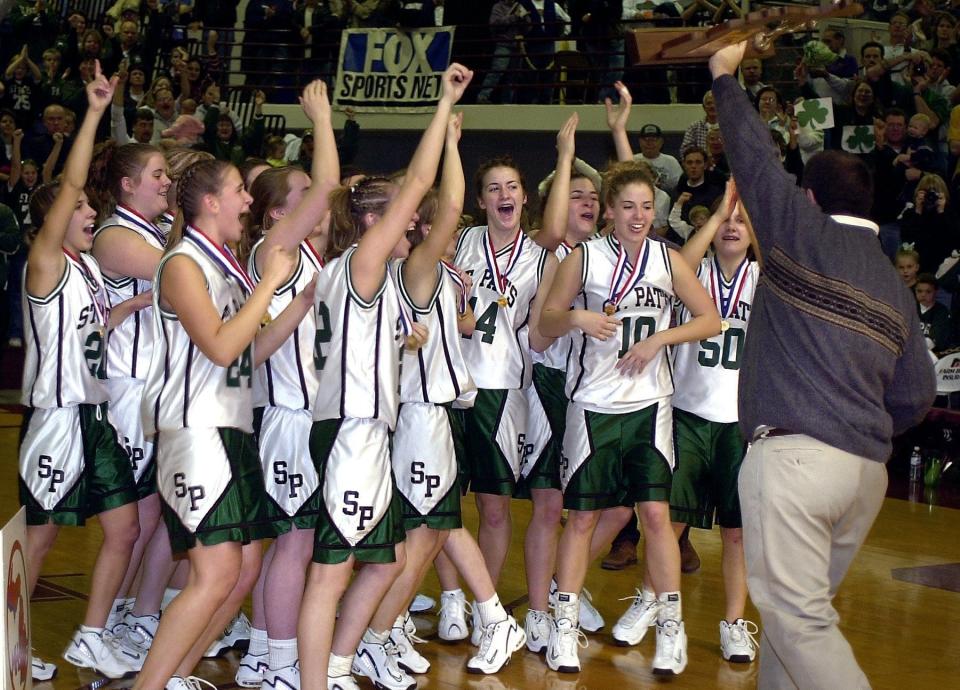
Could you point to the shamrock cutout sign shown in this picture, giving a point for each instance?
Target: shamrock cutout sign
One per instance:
(815, 113)
(858, 139)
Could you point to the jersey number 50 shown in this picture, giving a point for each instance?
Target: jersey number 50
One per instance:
(726, 355)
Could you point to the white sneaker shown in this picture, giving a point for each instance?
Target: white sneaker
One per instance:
(408, 658)
(563, 646)
(251, 670)
(422, 603)
(116, 619)
(537, 628)
(410, 628)
(96, 650)
(346, 682)
(671, 656)
(138, 632)
(635, 621)
(590, 618)
(41, 670)
(476, 633)
(188, 683)
(378, 662)
(452, 625)
(737, 642)
(286, 678)
(235, 636)
(498, 642)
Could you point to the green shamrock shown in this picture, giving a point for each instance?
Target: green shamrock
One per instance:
(812, 111)
(860, 140)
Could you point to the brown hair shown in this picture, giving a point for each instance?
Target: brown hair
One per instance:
(199, 179)
(179, 158)
(623, 173)
(269, 191)
(348, 205)
(41, 201)
(111, 163)
(502, 161)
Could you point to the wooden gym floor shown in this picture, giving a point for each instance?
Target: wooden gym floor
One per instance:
(899, 607)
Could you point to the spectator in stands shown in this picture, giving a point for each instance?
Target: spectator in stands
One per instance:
(862, 113)
(508, 21)
(934, 316)
(599, 34)
(39, 147)
(946, 39)
(319, 23)
(71, 41)
(907, 262)
(702, 187)
(34, 23)
(751, 72)
(696, 134)
(22, 94)
(548, 21)
(156, 33)
(92, 47)
(370, 13)
(300, 149)
(896, 50)
(889, 93)
(666, 167)
(271, 39)
(218, 16)
(923, 29)
(52, 81)
(890, 179)
(164, 109)
(8, 124)
(716, 156)
(212, 96)
(772, 109)
(698, 217)
(222, 139)
(845, 66)
(930, 224)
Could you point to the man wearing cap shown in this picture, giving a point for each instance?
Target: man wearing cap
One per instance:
(667, 167)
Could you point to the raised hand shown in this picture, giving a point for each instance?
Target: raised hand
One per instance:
(727, 59)
(566, 138)
(315, 103)
(455, 127)
(277, 265)
(100, 90)
(617, 115)
(596, 325)
(455, 81)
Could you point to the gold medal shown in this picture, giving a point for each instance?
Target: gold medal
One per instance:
(412, 342)
(265, 321)
(724, 325)
(502, 301)
(609, 308)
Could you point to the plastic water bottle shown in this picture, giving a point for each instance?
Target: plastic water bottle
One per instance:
(916, 465)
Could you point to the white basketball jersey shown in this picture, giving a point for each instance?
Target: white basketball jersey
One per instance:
(706, 372)
(289, 378)
(437, 372)
(555, 356)
(592, 378)
(498, 352)
(184, 388)
(130, 344)
(63, 334)
(357, 347)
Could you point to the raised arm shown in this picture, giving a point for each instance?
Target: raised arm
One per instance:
(16, 162)
(291, 230)
(51, 162)
(420, 268)
(368, 263)
(555, 214)
(46, 255)
(617, 117)
(696, 246)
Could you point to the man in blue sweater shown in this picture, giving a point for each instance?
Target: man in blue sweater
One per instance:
(833, 367)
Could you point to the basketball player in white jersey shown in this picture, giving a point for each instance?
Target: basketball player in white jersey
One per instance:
(508, 269)
(71, 464)
(361, 326)
(142, 606)
(128, 245)
(288, 210)
(617, 447)
(709, 446)
(197, 400)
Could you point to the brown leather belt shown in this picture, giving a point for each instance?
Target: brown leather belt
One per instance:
(772, 432)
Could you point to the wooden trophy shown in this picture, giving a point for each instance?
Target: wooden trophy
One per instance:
(759, 28)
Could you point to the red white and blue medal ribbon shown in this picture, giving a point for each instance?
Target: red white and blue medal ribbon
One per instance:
(634, 276)
(221, 256)
(95, 288)
(461, 287)
(134, 218)
(727, 295)
(312, 255)
(491, 256)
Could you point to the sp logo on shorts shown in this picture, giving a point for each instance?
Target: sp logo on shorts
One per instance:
(195, 492)
(564, 465)
(523, 448)
(352, 507)
(48, 471)
(418, 476)
(135, 454)
(281, 477)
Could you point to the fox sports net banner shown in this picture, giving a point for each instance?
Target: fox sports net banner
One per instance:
(392, 70)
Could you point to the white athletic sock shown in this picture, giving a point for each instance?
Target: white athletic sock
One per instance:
(491, 611)
(670, 608)
(454, 592)
(283, 653)
(91, 629)
(568, 606)
(647, 595)
(149, 622)
(339, 665)
(553, 585)
(169, 594)
(374, 637)
(258, 642)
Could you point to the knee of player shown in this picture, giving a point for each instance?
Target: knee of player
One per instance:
(549, 509)
(584, 521)
(654, 517)
(121, 535)
(495, 514)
